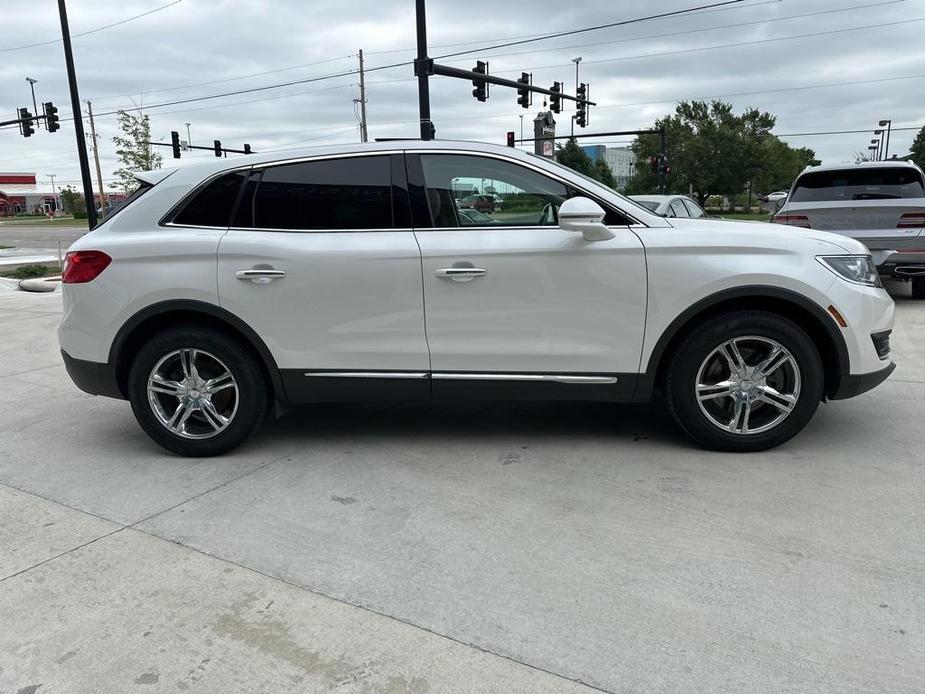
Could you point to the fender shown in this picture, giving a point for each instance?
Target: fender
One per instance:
(214, 311)
(647, 380)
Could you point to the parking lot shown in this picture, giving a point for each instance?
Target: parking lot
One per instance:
(456, 548)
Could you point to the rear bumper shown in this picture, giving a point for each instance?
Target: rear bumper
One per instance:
(855, 384)
(903, 264)
(93, 377)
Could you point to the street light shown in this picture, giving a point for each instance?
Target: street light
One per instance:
(889, 126)
(35, 108)
(877, 143)
(576, 61)
(189, 139)
(872, 149)
(521, 126)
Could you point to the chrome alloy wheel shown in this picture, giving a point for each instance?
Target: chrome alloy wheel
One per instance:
(748, 385)
(192, 393)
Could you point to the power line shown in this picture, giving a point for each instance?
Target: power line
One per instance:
(531, 36)
(408, 62)
(232, 79)
(93, 31)
(701, 29)
(725, 45)
(625, 22)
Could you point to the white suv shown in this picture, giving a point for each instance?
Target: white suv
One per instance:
(226, 290)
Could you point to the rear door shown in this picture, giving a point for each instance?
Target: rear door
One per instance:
(878, 205)
(321, 261)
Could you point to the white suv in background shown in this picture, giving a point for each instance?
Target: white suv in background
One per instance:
(225, 290)
(880, 203)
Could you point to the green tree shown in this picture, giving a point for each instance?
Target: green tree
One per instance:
(574, 157)
(72, 201)
(714, 151)
(918, 148)
(601, 171)
(133, 150)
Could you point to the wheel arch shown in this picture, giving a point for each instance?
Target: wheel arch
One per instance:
(821, 328)
(189, 312)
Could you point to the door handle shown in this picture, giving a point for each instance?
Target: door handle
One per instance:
(461, 274)
(260, 276)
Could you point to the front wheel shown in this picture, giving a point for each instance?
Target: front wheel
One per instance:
(196, 391)
(744, 381)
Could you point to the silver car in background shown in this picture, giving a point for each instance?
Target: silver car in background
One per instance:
(881, 204)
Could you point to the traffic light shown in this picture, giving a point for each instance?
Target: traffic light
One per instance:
(175, 143)
(51, 117)
(481, 87)
(555, 99)
(653, 163)
(581, 117)
(247, 148)
(523, 95)
(510, 138)
(25, 119)
(218, 147)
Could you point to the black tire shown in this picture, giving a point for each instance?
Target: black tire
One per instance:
(918, 288)
(805, 374)
(245, 405)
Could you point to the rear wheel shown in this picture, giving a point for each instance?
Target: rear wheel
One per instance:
(918, 288)
(744, 381)
(196, 391)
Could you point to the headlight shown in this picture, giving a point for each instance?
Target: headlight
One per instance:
(859, 269)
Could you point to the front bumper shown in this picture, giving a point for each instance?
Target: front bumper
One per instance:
(93, 377)
(855, 384)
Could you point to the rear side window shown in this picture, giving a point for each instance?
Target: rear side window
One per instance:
(211, 206)
(349, 193)
(859, 184)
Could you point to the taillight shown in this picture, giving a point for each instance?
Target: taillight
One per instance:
(794, 220)
(911, 220)
(83, 266)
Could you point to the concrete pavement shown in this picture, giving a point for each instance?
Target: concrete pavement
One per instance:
(498, 548)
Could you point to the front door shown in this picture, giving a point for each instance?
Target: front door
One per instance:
(320, 260)
(510, 298)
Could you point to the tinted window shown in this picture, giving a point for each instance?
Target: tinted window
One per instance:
(651, 205)
(677, 209)
(349, 193)
(212, 205)
(694, 209)
(861, 183)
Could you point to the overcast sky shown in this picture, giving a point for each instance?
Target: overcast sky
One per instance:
(197, 48)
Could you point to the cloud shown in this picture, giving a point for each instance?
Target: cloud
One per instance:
(150, 61)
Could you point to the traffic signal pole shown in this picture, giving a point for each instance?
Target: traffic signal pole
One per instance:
(78, 121)
(420, 69)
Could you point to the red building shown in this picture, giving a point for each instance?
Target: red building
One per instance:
(21, 193)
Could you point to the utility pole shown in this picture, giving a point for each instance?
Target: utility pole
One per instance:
(78, 119)
(96, 156)
(362, 100)
(662, 145)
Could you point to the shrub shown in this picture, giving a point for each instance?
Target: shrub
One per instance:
(80, 215)
(26, 272)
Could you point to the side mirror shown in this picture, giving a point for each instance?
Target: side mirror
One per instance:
(584, 216)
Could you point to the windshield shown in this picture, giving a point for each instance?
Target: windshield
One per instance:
(859, 184)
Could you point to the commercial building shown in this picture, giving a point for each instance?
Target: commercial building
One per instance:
(621, 161)
(21, 193)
